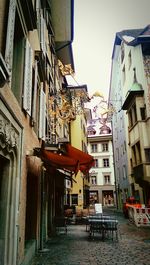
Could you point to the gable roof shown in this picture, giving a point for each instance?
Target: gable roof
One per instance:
(137, 36)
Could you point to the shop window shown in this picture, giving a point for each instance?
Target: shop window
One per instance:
(93, 197)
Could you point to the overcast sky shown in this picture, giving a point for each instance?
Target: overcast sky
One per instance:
(95, 25)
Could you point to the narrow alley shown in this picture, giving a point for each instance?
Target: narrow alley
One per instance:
(77, 248)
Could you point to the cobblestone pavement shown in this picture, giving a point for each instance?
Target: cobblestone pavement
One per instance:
(76, 248)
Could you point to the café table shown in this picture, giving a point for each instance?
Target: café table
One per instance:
(106, 226)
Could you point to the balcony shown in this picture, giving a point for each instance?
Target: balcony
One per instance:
(135, 91)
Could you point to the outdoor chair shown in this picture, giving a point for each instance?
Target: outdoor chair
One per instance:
(78, 216)
(111, 229)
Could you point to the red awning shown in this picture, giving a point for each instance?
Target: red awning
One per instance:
(60, 161)
(73, 160)
(86, 161)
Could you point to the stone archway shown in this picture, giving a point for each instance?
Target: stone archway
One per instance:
(10, 146)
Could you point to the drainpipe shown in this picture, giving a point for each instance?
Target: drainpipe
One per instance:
(41, 214)
(116, 190)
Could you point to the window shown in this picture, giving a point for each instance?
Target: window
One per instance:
(147, 154)
(68, 182)
(36, 104)
(105, 162)
(18, 60)
(104, 147)
(107, 179)
(74, 199)
(27, 94)
(124, 172)
(130, 118)
(134, 156)
(131, 165)
(143, 114)
(134, 113)
(96, 163)
(139, 158)
(129, 59)
(122, 52)
(123, 75)
(124, 146)
(42, 33)
(93, 148)
(117, 154)
(42, 116)
(93, 180)
(93, 197)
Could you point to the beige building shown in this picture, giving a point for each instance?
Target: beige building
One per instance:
(130, 90)
(32, 39)
(102, 181)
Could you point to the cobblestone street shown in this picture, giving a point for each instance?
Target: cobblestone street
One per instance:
(76, 248)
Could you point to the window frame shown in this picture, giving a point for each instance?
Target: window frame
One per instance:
(108, 182)
(74, 196)
(93, 180)
(105, 147)
(106, 162)
(94, 148)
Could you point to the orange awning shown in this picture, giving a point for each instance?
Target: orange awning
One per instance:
(73, 160)
(86, 161)
(60, 161)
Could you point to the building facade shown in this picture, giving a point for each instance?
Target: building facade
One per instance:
(130, 90)
(78, 194)
(102, 179)
(34, 48)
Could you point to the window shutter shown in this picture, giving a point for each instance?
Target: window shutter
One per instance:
(27, 94)
(35, 93)
(42, 118)
(42, 34)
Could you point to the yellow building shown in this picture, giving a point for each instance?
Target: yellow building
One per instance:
(80, 184)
